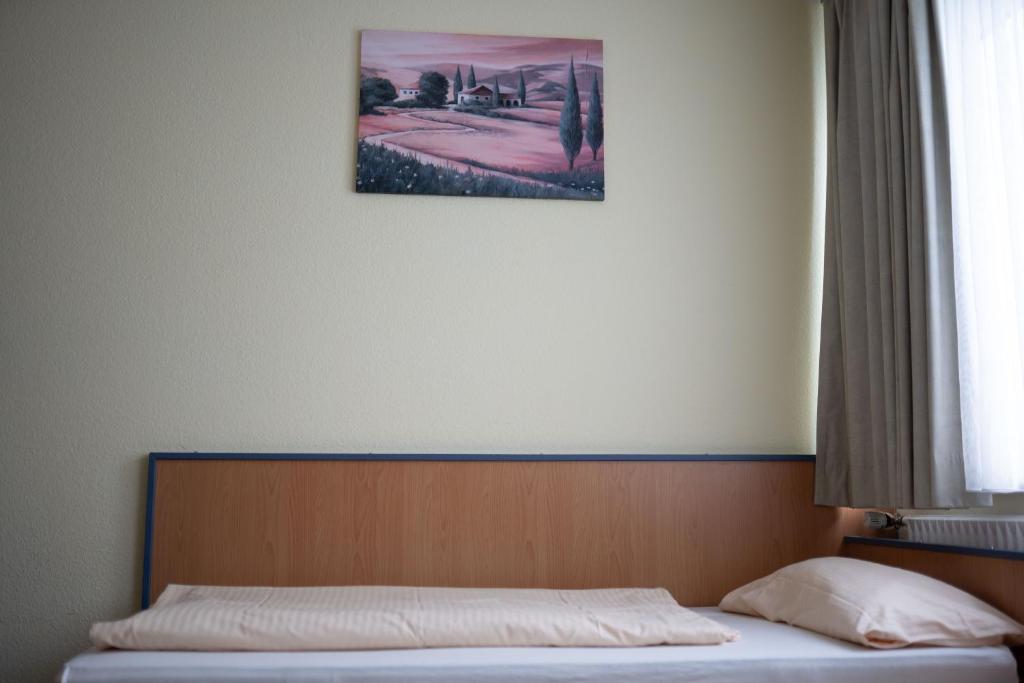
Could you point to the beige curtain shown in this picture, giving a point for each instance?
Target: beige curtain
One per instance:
(889, 429)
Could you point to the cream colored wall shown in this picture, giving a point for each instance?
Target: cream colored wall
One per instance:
(185, 265)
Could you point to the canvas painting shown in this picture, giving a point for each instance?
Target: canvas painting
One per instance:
(473, 115)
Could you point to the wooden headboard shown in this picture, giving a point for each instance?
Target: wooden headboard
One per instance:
(697, 525)
(995, 576)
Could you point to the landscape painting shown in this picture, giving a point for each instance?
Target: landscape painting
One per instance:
(471, 115)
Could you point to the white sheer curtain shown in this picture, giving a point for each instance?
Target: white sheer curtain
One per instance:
(983, 58)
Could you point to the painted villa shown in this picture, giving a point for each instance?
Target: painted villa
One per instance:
(484, 96)
(409, 92)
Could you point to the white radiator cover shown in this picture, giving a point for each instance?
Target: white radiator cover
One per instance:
(990, 532)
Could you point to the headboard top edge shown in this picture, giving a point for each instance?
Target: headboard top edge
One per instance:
(486, 457)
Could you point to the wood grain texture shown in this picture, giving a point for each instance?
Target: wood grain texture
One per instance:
(997, 581)
(699, 529)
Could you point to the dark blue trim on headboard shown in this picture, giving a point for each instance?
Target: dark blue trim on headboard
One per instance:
(147, 545)
(423, 457)
(934, 547)
(490, 457)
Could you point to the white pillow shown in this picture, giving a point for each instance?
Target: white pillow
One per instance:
(874, 605)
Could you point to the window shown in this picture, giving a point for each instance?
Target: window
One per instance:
(983, 63)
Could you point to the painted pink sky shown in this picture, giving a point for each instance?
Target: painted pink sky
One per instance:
(408, 49)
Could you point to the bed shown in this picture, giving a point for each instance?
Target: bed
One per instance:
(567, 522)
(766, 653)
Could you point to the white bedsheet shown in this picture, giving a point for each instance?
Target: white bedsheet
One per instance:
(766, 653)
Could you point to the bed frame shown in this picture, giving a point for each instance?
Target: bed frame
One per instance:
(699, 525)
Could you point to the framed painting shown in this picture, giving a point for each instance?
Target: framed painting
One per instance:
(472, 115)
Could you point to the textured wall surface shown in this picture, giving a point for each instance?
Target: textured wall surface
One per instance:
(184, 265)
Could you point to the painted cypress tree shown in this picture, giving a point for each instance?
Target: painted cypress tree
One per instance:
(497, 92)
(570, 127)
(471, 81)
(522, 89)
(457, 87)
(595, 119)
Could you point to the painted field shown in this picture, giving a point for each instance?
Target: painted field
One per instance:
(394, 121)
(495, 143)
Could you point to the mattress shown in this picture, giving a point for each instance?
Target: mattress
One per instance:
(766, 653)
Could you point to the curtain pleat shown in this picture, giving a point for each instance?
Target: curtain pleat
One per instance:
(888, 403)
